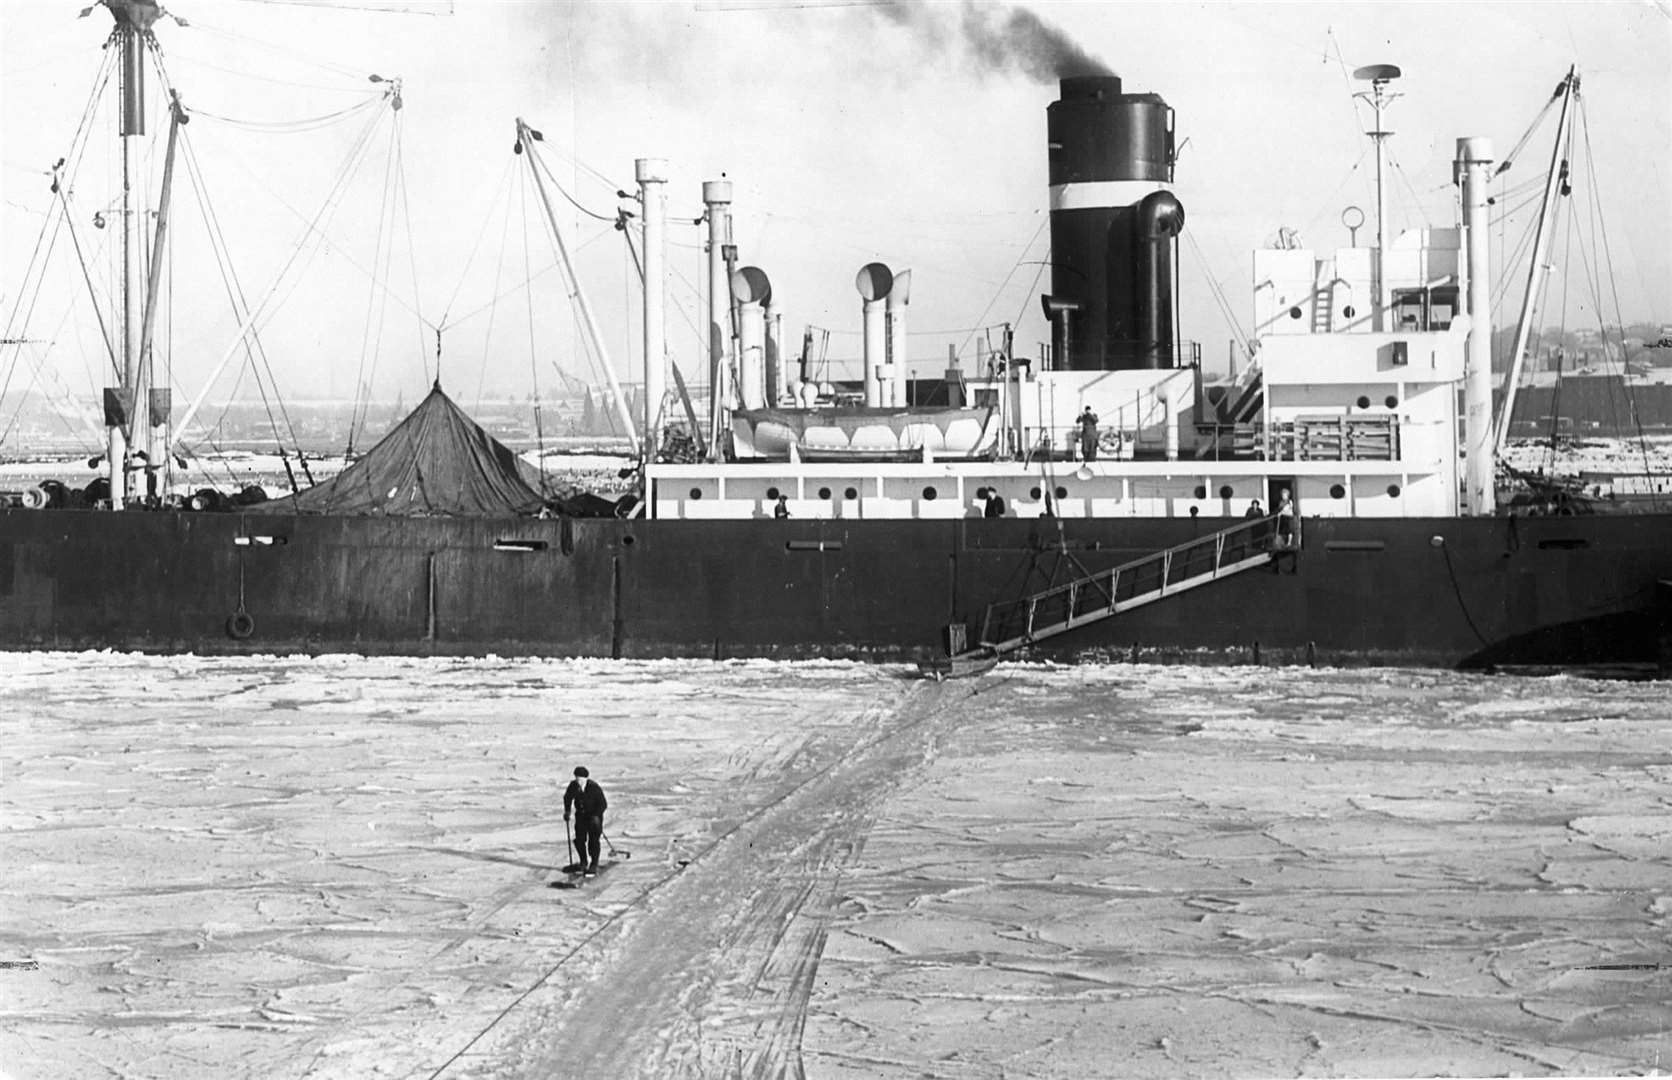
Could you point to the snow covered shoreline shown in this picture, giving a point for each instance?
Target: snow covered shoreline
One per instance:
(340, 866)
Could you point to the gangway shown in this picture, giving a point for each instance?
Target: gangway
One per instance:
(1091, 597)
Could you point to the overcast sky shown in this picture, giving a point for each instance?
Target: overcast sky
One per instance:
(914, 135)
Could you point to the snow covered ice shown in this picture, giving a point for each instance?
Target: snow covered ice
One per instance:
(340, 867)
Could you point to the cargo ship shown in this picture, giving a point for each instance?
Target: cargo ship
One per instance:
(1336, 502)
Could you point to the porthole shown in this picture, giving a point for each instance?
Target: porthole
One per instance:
(772, 494)
(1349, 311)
(1062, 493)
(850, 494)
(824, 493)
(929, 494)
(981, 493)
(1336, 491)
(1294, 312)
(627, 541)
(1034, 494)
(1393, 491)
(1391, 402)
(696, 493)
(1225, 491)
(1363, 401)
(1201, 491)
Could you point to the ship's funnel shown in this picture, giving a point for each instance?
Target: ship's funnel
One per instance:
(1109, 152)
(874, 282)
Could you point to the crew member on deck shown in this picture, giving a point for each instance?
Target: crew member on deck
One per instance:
(586, 799)
(1285, 519)
(782, 510)
(1088, 434)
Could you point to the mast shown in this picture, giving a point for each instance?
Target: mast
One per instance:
(652, 175)
(716, 197)
(1554, 183)
(123, 407)
(157, 403)
(1379, 76)
(1474, 169)
(526, 138)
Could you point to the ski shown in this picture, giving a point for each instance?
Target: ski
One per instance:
(575, 876)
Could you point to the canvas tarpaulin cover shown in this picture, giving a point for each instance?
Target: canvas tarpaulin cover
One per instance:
(438, 462)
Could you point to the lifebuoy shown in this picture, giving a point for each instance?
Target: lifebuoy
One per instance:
(240, 625)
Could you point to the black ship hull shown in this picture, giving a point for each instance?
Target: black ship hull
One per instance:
(1429, 592)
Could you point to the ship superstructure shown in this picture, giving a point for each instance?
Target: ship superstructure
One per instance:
(1351, 403)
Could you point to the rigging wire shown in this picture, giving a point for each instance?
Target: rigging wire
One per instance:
(501, 190)
(371, 338)
(573, 289)
(313, 232)
(92, 290)
(570, 198)
(499, 271)
(1505, 279)
(1606, 259)
(1032, 290)
(301, 126)
(1521, 144)
(1562, 327)
(1410, 190)
(981, 319)
(1347, 177)
(412, 247)
(1226, 311)
(674, 302)
(533, 352)
(209, 29)
(59, 217)
(233, 287)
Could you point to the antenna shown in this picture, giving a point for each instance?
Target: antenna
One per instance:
(1379, 76)
(1353, 217)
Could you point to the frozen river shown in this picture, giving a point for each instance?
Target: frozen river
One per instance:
(341, 867)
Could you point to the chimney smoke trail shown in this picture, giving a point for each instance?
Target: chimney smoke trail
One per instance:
(1000, 38)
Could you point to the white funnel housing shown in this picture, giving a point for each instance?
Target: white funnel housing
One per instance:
(777, 373)
(752, 289)
(874, 282)
(898, 297)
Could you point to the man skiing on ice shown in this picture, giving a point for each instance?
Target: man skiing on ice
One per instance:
(586, 799)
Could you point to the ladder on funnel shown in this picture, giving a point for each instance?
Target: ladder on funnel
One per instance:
(1092, 597)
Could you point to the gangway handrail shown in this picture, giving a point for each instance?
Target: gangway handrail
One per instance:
(1096, 596)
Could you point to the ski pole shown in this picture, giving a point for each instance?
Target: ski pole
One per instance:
(613, 851)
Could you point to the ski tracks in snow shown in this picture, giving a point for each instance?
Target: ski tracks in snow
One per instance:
(708, 971)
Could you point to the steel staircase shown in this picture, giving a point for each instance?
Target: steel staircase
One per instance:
(1092, 597)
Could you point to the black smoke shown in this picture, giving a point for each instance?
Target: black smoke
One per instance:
(998, 38)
